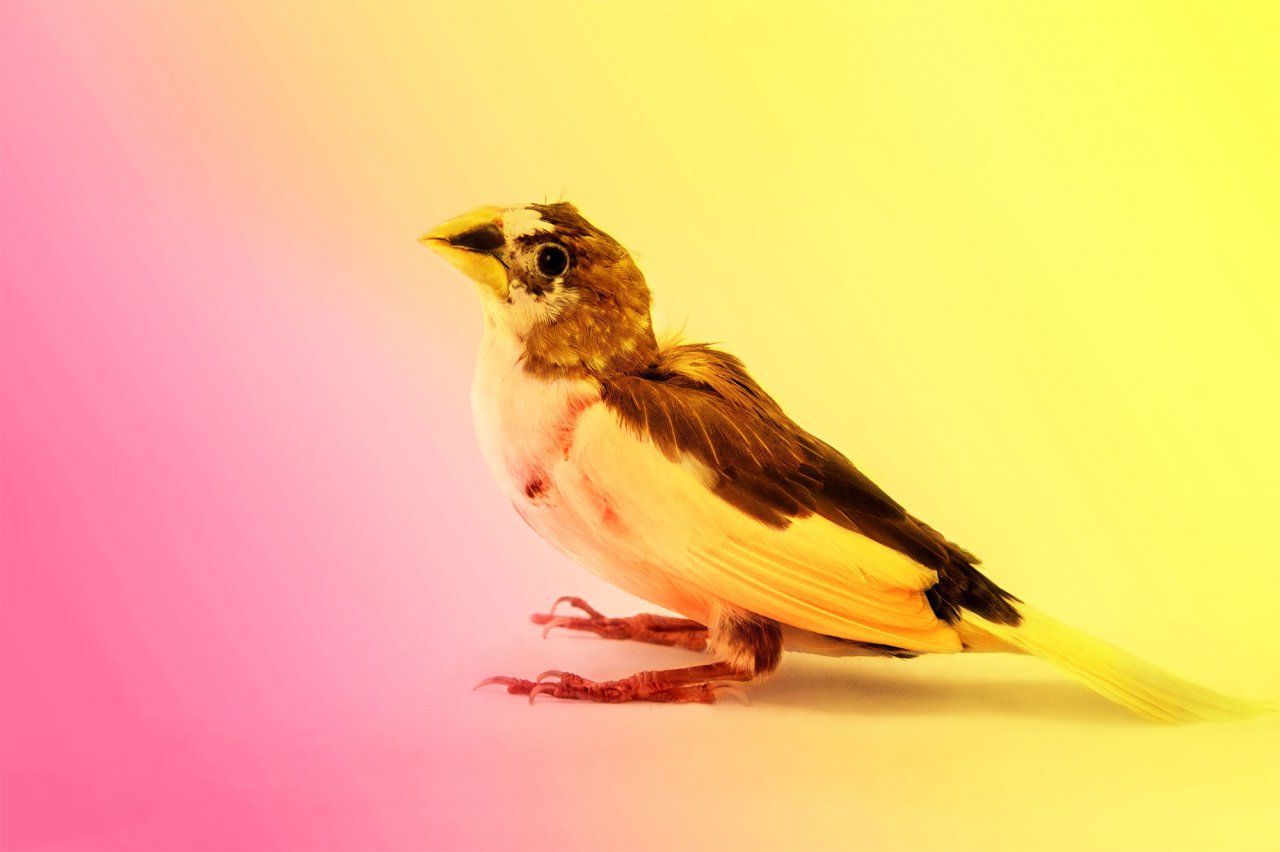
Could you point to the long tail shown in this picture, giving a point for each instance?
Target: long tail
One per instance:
(1145, 689)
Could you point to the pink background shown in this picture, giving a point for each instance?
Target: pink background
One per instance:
(234, 570)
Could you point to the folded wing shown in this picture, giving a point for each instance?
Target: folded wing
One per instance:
(704, 475)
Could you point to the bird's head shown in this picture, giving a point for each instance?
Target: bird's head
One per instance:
(565, 290)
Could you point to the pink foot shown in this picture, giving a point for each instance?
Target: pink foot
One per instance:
(645, 627)
(696, 685)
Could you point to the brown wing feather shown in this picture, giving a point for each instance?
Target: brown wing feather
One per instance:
(701, 402)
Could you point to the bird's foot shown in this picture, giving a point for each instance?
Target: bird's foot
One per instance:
(645, 627)
(696, 685)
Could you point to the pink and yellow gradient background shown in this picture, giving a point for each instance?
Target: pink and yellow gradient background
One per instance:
(1021, 263)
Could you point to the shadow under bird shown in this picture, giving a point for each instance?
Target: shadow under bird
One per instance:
(664, 468)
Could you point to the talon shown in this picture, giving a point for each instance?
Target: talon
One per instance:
(514, 685)
(559, 621)
(558, 675)
(493, 681)
(733, 689)
(540, 689)
(576, 603)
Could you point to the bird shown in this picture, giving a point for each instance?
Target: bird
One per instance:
(664, 468)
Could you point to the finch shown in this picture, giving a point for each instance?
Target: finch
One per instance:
(665, 469)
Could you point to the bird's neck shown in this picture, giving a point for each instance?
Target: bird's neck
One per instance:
(582, 344)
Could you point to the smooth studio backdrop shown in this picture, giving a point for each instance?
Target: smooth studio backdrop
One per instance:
(1020, 262)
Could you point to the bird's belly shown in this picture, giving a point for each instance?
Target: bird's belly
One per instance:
(578, 517)
(526, 427)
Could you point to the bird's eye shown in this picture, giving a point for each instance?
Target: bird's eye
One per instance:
(553, 260)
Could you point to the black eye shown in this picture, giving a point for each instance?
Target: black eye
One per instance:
(552, 260)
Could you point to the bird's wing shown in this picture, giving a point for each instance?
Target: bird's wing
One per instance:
(701, 467)
(811, 574)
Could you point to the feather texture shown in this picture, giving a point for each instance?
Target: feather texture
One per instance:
(1117, 675)
(698, 402)
(811, 573)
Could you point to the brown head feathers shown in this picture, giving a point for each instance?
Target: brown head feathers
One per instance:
(601, 324)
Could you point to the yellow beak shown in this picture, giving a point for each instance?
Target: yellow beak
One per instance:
(470, 243)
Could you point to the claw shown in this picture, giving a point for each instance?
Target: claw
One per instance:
(559, 621)
(540, 689)
(514, 685)
(576, 603)
(734, 690)
(558, 675)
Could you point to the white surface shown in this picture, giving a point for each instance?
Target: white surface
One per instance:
(974, 752)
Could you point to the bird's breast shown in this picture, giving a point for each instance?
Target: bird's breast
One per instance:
(525, 424)
(532, 433)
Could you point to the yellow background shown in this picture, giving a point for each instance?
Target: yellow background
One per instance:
(1022, 263)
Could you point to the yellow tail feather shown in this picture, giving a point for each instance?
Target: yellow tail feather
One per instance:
(1145, 689)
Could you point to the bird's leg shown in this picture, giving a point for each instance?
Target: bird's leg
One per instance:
(751, 646)
(694, 685)
(645, 627)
